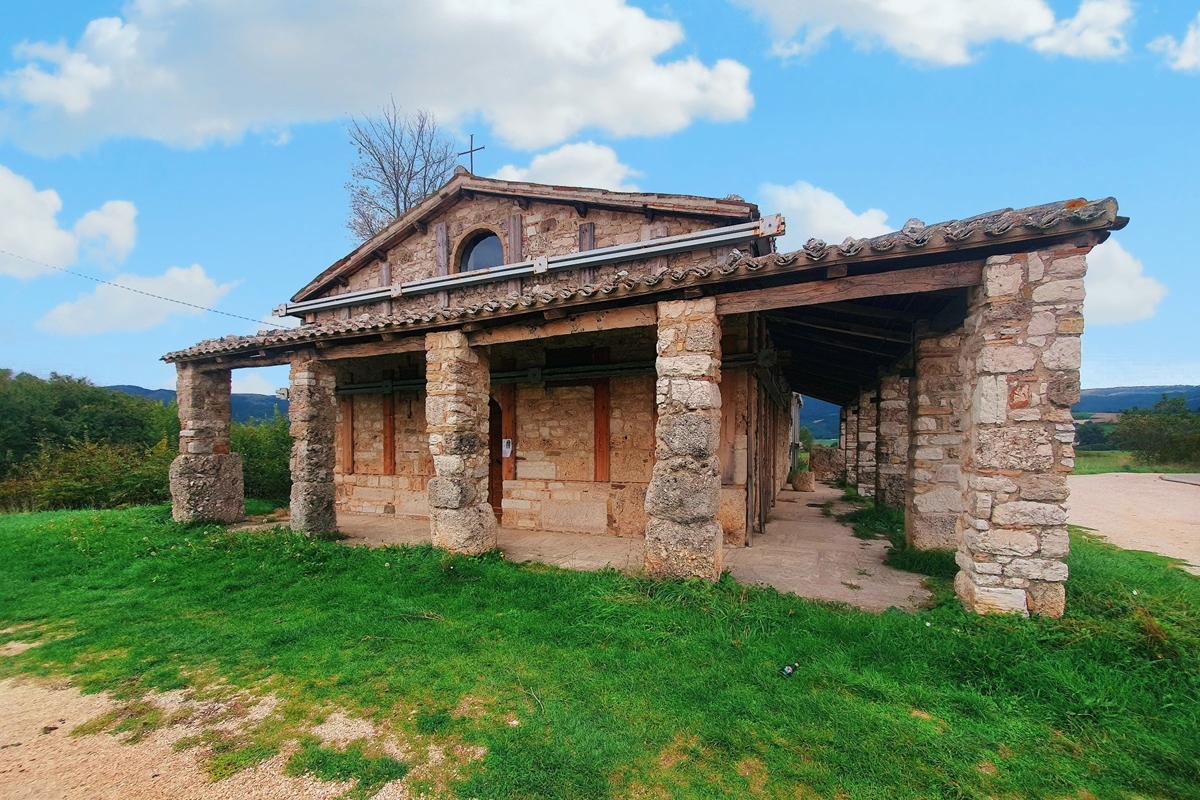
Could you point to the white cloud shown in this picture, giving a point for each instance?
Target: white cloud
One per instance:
(814, 213)
(539, 71)
(110, 308)
(29, 227)
(1183, 56)
(945, 32)
(110, 232)
(247, 382)
(582, 164)
(1118, 291)
(1096, 31)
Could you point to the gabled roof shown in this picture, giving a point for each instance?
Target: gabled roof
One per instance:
(465, 186)
(1003, 231)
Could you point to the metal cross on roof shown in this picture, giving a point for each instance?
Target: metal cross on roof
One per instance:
(471, 151)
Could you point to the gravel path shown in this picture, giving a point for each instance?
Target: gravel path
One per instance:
(1140, 512)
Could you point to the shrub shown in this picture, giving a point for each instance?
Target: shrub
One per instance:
(265, 447)
(1167, 433)
(89, 475)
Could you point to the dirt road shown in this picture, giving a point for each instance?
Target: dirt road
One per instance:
(1140, 512)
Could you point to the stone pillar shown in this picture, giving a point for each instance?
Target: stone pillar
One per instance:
(456, 416)
(850, 443)
(868, 420)
(1021, 359)
(312, 414)
(891, 444)
(683, 537)
(934, 497)
(206, 479)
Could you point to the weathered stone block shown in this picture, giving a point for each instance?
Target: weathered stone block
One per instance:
(696, 434)
(1064, 354)
(1044, 487)
(1039, 569)
(1055, 543)
(1001, 542)
(684, 494)
(1005, 359)
(989, 600)
(1046, 599)
(939, 500)
(468, 530)
(1022, 512)
(675, 550)
(1064, 291)
(312, 506)
(447, 492)
(207, 488)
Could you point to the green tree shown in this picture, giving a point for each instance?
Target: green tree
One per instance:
(1167, 433)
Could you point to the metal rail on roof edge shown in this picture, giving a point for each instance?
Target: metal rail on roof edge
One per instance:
(766, 227)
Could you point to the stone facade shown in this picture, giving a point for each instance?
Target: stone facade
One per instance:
(1020, 358)
(826, 463)
(891, 443)
(683, 537)
(934, 502)
(865, 440)
(849, 442)
(206, 478)
(312, 412)
(458, 381)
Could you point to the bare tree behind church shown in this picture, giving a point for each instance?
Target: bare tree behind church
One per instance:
(402, 159)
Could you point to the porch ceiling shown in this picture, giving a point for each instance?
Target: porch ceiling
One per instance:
(834, 351)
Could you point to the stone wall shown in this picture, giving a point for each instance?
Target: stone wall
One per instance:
(826, 463)
(891, 443)
(206, 478)
(683, 537)
(934, 502)
(865, 440)
(312, 414)
(849, 443)
(546, 229)
(458, 382)
(1020, 355)
(369, 489)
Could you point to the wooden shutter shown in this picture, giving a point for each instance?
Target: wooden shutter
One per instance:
(516, 249)
(587, 241)
(443, 259)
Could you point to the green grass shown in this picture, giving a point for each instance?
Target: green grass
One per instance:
(621, 686)
(870, 522)
(1096, 462)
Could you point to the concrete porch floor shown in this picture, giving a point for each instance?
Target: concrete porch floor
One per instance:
(802, 552)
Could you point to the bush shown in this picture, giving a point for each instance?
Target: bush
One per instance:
(266, 448)
(89, 475)
(1167, 433)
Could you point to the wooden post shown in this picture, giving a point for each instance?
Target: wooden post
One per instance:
(389, 434)
(602, 410)
(347, 436)
(587, 241)
(443, 259)
(516, 249)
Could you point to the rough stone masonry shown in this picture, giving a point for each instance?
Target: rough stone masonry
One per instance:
(456, 413)
(683, 537)
(206, 478)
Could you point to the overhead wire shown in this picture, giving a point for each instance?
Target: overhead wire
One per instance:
(137, 291)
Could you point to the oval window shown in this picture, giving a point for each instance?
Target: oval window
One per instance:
(483, 250)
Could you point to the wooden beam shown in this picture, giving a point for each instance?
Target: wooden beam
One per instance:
(907, 281)
(614, 319)
(347, 436)
(331, 352)
(389, 434)
(242, 361)
(602, 412)
(507, 397)
(846, 329)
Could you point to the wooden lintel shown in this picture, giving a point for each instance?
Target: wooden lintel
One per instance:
(614, 319)
(898, 282)
(581, 209)
(693, 293)
(522, 203)
(380, 254)
(468, 327)
(554, 313)
(421, 225)
(836, 271)
(244, 361)
(388, 337)
(331, 352)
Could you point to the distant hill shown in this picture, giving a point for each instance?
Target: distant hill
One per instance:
(823, 419)
(243, 407)
(1120, 398)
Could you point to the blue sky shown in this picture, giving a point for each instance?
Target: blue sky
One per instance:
(197, 148)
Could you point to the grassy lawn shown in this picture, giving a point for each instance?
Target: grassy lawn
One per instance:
(620, 686)
(1096, 462)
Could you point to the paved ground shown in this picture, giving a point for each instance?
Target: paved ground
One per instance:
(802, 552)
(1141, 512)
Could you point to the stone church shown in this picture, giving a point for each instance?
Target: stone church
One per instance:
(578, 360)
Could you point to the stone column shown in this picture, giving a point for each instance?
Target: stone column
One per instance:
(891, 444)
(850, 443)
(1021, 359)
(206, 479)
(312, 414)
(934, 497)
(868, 419)
(456, 416)
(683, 537)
